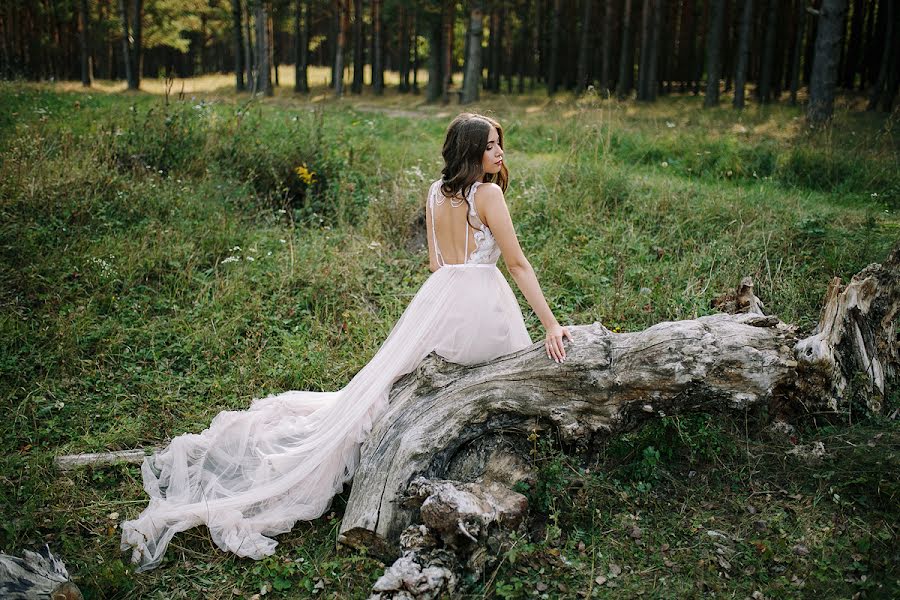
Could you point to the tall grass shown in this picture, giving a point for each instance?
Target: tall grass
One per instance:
(161, 261)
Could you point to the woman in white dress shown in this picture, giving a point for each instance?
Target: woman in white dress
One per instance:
(253, 474)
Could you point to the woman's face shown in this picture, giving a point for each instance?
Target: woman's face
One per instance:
(492, 159)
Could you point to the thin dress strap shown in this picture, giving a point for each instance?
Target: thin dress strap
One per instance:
(437, 249)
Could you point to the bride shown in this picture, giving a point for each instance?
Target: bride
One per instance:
(253, 474)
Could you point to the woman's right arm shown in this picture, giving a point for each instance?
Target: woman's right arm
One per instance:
(432, 259)
(496, 217)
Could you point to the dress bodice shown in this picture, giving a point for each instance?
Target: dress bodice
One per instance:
(486, 250)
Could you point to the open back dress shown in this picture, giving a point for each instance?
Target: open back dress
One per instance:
(253, 474)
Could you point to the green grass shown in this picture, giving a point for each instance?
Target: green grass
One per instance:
(162, 262)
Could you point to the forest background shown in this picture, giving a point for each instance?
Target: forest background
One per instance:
(174, 243)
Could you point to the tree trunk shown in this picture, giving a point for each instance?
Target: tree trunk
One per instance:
(824, 73)
(126, 43)
(261, 19)
(800, 10)
(743, 57)
(881, 87)
(714, 52)
(435, 58)
(583, 48)
(768, 55)
(301, 52)
(378, 54)
(137, 48)
(472, 83)
(868, 56)
(623, 86)
(273, 46)
(606, 48)
(449, 20)
(854, 44)
(83, 37)
(446, 421)
(415, 63)
(643, 61)
(404, 49)
(343, 10)
(249, 54)
(553, 66)
(238, 42)
(653, 64)
(358, 48)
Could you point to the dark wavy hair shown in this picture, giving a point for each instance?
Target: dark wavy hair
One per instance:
(464, 146)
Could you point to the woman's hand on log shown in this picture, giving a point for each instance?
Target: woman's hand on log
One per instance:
(554, 342)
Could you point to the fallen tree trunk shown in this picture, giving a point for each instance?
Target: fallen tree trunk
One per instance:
(447, 421)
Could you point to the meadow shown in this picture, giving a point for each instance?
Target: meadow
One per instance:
(165, 256)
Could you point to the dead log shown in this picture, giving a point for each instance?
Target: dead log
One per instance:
(68, 462)
(38, 576)
(447, 421)
(466, 520)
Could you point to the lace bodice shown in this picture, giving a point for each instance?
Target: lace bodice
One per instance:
(486, 250)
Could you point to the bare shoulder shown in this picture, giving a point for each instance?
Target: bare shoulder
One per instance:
(489, 192)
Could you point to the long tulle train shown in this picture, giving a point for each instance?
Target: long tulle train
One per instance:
(253, 474)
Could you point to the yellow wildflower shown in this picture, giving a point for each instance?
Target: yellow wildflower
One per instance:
(306, 176)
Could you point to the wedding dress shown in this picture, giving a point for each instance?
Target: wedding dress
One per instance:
(252, 474)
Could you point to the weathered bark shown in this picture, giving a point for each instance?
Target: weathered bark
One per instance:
(69, 462)
(37, 576)
(458, 520)
(825, 64)
(743, 58)
(450, 421)
(472, 83)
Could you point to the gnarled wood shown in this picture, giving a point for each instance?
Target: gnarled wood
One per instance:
(608, 383)
(857, 335)
(450, 421)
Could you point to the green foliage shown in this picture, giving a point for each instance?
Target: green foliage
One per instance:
(143, 303)
(698, 439)
(167, 139)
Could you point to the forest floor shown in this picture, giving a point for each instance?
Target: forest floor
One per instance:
(167, 257)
